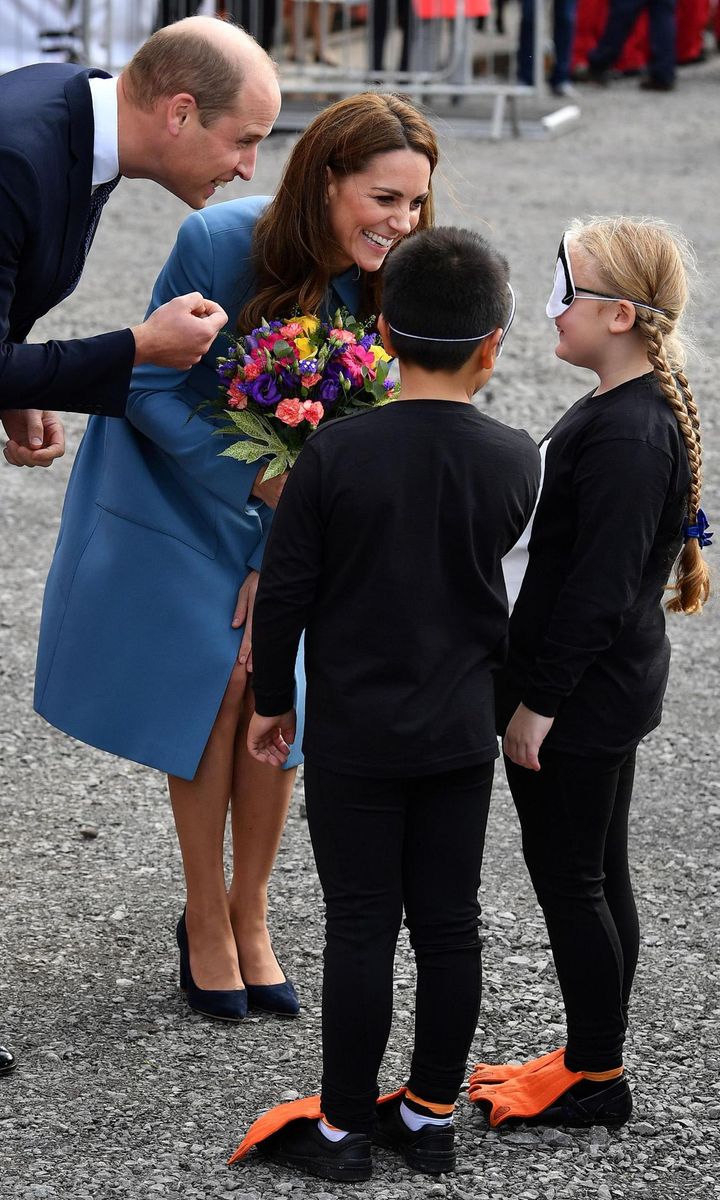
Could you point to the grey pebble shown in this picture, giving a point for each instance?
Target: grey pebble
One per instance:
(644, 1129)
(556, 1137)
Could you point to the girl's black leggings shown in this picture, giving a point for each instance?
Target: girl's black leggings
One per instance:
(574, 818)
(381, 846)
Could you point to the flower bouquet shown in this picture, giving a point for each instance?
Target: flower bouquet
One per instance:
(287, 377)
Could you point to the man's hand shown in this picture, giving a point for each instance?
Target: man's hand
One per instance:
(35, 439)
(270, 738)
(271, 491)
(243, 613)
(178, 333)
(525, 735)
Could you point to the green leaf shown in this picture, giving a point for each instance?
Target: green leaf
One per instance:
(251, 424)
(281, 350)
(248, 452)
(277, 466)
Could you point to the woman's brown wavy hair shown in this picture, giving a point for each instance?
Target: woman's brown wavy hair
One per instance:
(293, 246)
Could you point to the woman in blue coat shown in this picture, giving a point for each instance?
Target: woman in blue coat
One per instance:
(145, 643)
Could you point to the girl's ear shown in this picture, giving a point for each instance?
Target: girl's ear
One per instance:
(623, 317)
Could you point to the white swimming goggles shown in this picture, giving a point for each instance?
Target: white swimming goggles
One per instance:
(565, 292)
(419, 337)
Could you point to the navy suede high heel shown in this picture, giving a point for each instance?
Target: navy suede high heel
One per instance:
(229, 1005)
(278, 998)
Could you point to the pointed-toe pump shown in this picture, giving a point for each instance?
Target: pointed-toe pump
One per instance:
(228, 1005)
(278, 998)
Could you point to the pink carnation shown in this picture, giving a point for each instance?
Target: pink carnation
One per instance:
(236, 397)
(314, 412)
(344, 336)
(293, 329)
(309, 381)
(290, 412)
(250, 371)
(293, 412)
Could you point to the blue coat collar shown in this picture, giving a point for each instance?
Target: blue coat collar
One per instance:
(347, 289)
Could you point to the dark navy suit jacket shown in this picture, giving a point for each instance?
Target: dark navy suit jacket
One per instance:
(46, 161)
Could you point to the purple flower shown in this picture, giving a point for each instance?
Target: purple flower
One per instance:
(289, 380)
(263, 390)
(226, 370)
(329, 389)
(368, 341)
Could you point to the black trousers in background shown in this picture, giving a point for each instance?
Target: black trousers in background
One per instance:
(382, 845)
(574, 819)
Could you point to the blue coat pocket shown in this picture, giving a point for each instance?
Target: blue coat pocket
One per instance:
(143, 484)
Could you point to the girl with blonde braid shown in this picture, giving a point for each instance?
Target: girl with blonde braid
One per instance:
(588, 659)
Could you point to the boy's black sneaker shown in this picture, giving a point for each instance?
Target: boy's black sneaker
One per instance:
(430, 1149)
(587, 1103)
(300, 1144)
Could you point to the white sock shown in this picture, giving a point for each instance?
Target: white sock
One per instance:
(332, 1135)
(415, 1121)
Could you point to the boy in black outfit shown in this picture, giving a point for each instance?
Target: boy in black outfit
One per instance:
(386, 549)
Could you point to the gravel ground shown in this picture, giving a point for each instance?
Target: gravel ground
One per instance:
(120, 1091)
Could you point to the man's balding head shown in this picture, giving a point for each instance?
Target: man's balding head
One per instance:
(207, 58)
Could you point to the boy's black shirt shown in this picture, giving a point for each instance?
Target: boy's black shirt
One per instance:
(587, 634)
(386, 548)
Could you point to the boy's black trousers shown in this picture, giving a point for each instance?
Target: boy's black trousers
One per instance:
(383, 846)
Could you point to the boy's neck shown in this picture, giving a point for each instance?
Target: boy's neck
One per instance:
(416, 384)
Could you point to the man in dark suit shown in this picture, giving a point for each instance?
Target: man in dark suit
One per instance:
(187, 112)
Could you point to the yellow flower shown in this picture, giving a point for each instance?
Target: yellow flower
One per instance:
(304, 346)
(309, 324)
(379, 355)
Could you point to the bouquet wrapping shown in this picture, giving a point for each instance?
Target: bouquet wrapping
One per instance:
(287, 377)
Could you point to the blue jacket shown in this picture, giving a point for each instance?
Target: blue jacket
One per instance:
(46, 161)
(157, 535)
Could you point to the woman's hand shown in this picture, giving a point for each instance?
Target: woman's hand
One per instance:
(269, 491)
(270, 738)
(243, 615)
(525, 735)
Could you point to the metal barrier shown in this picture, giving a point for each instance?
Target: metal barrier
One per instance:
(452, 49)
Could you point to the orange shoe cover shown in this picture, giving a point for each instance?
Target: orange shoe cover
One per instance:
(501, 1072)
(275, 1119)
(280, 1116)
(526, 1095)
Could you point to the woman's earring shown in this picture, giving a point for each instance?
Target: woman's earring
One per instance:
(357, 268)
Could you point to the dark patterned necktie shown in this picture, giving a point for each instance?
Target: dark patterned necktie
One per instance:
(97, 200)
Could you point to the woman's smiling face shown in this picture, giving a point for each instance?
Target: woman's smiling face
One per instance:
(373, 209)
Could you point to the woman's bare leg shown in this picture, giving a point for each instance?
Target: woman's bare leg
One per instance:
(200, 810)
(260, 800)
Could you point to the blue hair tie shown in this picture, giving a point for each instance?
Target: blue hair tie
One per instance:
(699, 530)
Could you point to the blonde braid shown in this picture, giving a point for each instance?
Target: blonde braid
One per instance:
(692, 578)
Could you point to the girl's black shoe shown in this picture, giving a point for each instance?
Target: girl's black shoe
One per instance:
(229, 1005)
(301, 1145)
(588, 1103)
(430, 1149)
(7, 1061)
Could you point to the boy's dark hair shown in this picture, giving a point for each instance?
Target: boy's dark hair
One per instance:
(444, 283)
